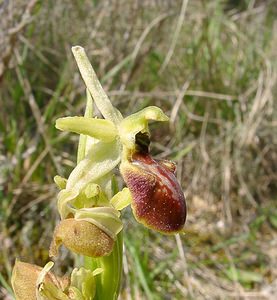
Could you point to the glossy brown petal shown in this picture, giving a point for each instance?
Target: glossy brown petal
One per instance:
(158, 200)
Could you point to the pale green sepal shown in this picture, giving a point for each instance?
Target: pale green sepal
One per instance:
(105, 218)
(100, 160)
(60, 181)
(48, 291)
(138, 122)
(100, 129)
(94, 86)
(122, 199)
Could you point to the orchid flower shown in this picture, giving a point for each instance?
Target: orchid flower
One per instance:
(156, 196)
(90, 205)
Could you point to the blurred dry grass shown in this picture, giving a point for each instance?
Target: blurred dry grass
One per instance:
(211, 66)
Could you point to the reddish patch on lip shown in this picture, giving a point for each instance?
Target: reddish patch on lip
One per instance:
(158, 200)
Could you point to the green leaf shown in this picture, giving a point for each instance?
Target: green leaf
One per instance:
(142, 277)
(243, 276)
(273, 220)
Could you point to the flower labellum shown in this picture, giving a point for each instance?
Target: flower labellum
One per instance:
(158, 201)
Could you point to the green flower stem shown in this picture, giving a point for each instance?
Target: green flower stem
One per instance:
(108, 282)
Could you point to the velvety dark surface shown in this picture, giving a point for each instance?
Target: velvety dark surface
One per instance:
(158, 200)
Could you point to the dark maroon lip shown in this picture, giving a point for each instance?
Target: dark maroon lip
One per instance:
(158, 199)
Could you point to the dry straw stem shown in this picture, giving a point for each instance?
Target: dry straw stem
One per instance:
(9, 40)
(175, 35)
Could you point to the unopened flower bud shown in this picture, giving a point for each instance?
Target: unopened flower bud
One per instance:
(83, 283)
(81, 237)
(157, 198)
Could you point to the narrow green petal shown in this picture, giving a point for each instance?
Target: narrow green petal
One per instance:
(122, 199)
(60, 181)
(100, 129)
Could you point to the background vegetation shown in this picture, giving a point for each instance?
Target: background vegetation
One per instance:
(211, 66)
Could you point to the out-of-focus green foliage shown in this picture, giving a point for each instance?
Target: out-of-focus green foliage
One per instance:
(211, 66)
